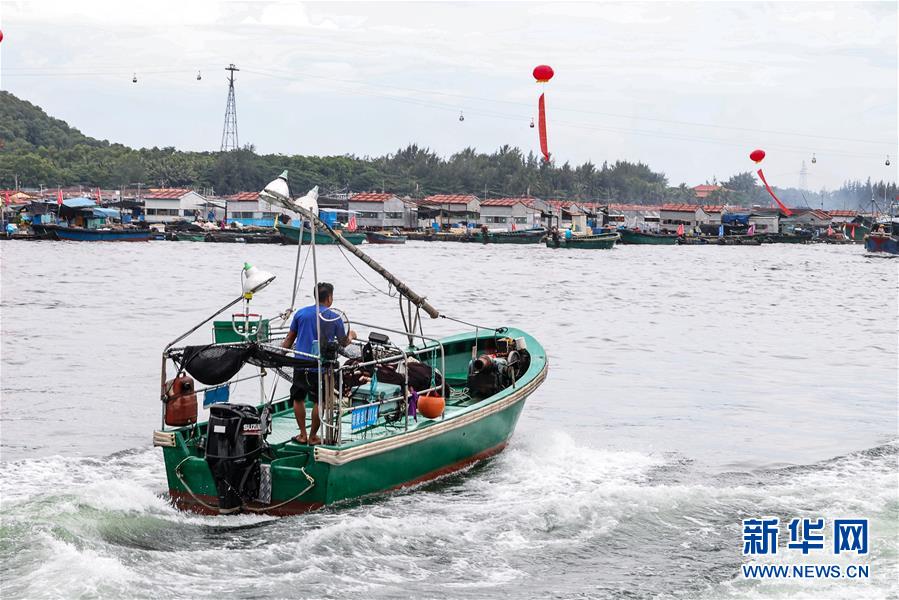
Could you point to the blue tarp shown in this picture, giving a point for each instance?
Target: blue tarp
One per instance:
(78, 202)
(735, 219)
(106, 213)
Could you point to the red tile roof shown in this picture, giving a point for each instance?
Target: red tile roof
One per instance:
(166, 193)
(714, 208)
(679, 207)
(371, 197)
(639, 207)
(706, 188)
(842, 213)
(526, 200)
(243, 197)
(449, 199)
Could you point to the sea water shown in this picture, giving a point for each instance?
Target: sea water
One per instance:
(689, 388)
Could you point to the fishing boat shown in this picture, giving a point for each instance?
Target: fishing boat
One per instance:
(522, 236)
(384, 237)
(291, 235)
(795, 237)
(485, 236)
(634, 236)
(884, 238)
(403, 409)
(187, 236)
(243, 237)
(602, 241)
(106, 234)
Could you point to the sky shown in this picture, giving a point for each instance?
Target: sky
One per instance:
(687, 88)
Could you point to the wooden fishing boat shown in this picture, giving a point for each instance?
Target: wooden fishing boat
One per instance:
(81, 234)
(187, 236)
(804, 237)
(632, 236)
(429, 407)
(243, 237)
(602, 241)
(523, 236)
(384, 237)
(291, 235)
(884, 239)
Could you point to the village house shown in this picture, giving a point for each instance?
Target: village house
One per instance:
(164, 205)
(805, 218)
(634, 216)
(247, 209)
(568, 215)
(376, 210)
(688, 215)
(450, 209)
(713, 214)
(511, 213)
(838, 217)
(766, 220)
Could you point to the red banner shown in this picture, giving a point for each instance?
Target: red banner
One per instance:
(59, 197)
(542, 125)
(780, 204)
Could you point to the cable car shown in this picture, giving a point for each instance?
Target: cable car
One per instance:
(814, 160)
(532, 122)
(199, 77)
(134, 79)
(887, 163)
(461, 116)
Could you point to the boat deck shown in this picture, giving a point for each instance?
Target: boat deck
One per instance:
(284, 425)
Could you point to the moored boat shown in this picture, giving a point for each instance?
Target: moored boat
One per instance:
(884, 239)
(81, 234)
(632, 236)
(384, 237)
(291, 235)
(399, 414)
(523, 236)
(602, 241)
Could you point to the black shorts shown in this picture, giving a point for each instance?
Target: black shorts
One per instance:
(304, 382)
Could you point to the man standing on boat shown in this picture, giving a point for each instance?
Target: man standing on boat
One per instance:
(303, 337)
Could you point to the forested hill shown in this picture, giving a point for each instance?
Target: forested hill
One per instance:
(41, 150)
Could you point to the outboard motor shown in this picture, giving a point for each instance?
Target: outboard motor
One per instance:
(488, 374)
(233, 445)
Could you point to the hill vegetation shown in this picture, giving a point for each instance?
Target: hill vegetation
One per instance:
(37, 149)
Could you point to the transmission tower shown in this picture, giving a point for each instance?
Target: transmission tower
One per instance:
(803, 177)
(229, 131)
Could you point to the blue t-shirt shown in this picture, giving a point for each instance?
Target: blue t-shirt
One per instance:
(303, 325)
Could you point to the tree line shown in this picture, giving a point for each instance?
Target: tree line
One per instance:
(36, 149)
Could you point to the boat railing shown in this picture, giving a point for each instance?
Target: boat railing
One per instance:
(366, 415)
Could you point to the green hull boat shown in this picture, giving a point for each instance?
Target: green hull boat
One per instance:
(382, 457)
(602, 241)
(393, 413)
(629, 236)
(291, 235)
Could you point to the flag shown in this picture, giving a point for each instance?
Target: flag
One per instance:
(721, 231)
(513, 225)
(351, 225)
(541, 122)
(751, 230)
(58, 197)
(7, 198)
(98, 196)
(780, 204)
(829, 230)
(680, 229)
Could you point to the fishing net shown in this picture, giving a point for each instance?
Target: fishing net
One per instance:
(214, 364)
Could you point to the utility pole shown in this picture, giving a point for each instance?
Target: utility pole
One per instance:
(229, 130)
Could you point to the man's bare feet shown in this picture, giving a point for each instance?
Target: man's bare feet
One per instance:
(315, 440)
(300, 438)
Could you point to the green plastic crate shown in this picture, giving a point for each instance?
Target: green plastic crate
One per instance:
(223, 332)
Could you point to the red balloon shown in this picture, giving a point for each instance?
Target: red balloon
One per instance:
(543, 73)
(757, 155)
(1, 36)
